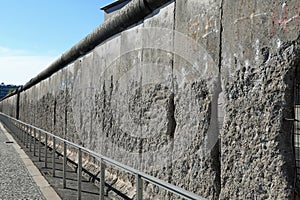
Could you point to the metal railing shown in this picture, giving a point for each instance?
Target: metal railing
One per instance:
(297, 130)
(32, 136)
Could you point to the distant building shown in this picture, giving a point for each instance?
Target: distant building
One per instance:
(111, 9)
(5, 89)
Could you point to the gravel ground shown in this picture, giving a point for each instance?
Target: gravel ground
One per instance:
(15, 180)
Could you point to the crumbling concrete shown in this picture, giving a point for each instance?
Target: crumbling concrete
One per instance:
(259, 57)
(195, 93)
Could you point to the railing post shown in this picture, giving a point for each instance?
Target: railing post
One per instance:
(30, 138)
(65, 165)
(19, 132)
(40, 145)
(46, 150)
(102, 179)
(79, 173)
(139, 187)
(23, 135)
(34, 142)
(27, 136)
(53, 156)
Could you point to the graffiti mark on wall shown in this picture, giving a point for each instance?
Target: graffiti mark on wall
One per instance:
(282, 17)
(203, 30)
(250, 17)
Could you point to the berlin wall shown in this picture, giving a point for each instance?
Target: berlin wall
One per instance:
(195, 93)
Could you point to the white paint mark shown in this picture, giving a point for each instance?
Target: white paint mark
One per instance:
(292, 18)
(283, 5)
(278, 43)
(251, 16)
(247, 63)
(213, 31)
(257, 50)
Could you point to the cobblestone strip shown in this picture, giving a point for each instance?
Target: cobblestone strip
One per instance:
(19, 178)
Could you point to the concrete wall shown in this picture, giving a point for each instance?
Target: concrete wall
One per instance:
(195, 94)
(260, 53)
(9, 106)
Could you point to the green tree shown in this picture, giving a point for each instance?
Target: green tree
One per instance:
(11, 90)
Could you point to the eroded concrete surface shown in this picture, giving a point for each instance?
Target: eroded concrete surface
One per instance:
(195, 94)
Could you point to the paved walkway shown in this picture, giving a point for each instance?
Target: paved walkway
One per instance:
(24, 176)
(19, 178)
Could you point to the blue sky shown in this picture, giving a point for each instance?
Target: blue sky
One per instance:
(35, 32)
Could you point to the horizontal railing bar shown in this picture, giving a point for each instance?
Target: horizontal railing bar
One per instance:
(162, 184)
